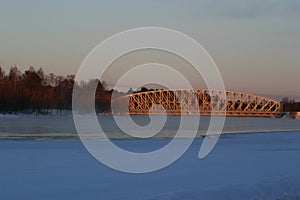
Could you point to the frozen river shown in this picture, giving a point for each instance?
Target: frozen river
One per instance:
(241, 166)
(63, 126)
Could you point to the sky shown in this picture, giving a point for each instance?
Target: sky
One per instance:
(255, 43)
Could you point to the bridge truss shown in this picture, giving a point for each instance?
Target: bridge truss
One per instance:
(192, 102)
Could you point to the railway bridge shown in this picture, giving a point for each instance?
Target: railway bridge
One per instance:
(198, 101)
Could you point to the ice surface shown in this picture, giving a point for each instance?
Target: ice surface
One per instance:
(242, 166)
(21, 126)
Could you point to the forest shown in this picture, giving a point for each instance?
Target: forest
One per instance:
(34, 91)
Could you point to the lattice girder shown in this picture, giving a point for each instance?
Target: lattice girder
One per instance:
(205, 102)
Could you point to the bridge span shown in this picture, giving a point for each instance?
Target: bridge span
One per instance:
(198, 101)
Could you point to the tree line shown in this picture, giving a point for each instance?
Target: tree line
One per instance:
(34, 91)
(290, 105)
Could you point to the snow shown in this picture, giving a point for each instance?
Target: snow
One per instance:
(8, 116)
(242, 166)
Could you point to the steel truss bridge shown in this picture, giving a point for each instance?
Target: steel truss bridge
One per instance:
(193, 102)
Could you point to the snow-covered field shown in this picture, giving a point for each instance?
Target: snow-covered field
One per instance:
(241, 166)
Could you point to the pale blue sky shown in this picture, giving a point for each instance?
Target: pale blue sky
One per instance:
(255, 43)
